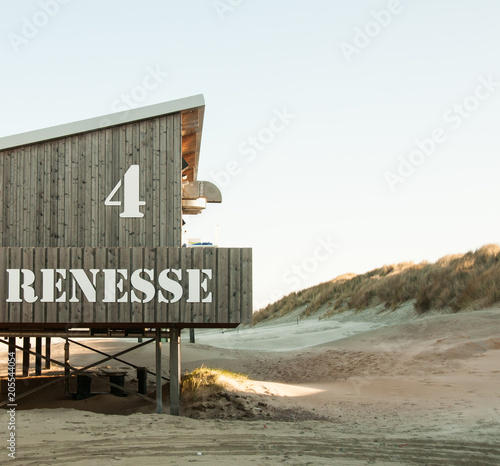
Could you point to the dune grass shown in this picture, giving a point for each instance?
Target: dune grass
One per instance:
(205, 381)
(455, 282)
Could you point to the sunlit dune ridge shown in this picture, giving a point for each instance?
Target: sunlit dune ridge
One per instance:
(454, 282)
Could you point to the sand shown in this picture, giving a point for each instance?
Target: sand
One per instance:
(369, 388)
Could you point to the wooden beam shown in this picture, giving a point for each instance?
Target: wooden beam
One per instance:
(159, 401)
(38, 357)
(175, 370)
(189, 143)
(26, 357)
(142, 380)
(141, 343)
(190, 121)
(47, 353)
(66, 367)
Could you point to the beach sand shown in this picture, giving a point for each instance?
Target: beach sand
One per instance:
(367, 388)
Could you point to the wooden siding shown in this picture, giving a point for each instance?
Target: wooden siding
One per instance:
(54, 191)
(231, 287)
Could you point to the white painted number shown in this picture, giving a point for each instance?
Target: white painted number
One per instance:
(131, 202)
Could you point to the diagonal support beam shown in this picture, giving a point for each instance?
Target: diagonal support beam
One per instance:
(115, 358)
(90, 365)
(75, 371)
(55, 361)
(117, 354)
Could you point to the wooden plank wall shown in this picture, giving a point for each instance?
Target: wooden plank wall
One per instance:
(54, 191)
(231, 286)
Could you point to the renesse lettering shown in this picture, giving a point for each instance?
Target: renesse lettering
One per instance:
(21, 285)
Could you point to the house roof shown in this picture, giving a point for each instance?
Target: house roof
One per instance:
(191, 108)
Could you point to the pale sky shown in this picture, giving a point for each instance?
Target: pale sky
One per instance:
(315, 111)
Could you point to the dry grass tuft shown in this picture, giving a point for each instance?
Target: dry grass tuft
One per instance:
(455, 282)
(204, 381)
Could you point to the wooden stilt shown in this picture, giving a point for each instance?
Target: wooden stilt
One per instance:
(191, 336)
(47, 352)
(159, 401)
(26, 357)
(175, 370)
(142, 380)
(38, 357)
(66, 367)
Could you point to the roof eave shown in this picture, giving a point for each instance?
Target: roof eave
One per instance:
(107, 121)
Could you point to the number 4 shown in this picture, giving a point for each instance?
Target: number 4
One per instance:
(131, 202)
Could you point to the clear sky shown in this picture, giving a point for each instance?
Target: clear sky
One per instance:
(343, 134)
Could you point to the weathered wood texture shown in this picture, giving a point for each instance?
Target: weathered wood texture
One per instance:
(54, 191)
(230, 286)
(192, 127)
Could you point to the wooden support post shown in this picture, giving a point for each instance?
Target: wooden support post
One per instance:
(12, 347)
(191, 336)
(66, 367)
(175, 370)
(159, 401)
(26, 356)
(47, 352)
(118, 378)
(83, 384)
(142, 380)
(38, 357)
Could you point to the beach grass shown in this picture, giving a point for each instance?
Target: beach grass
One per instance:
(204, 381)
(454, 282)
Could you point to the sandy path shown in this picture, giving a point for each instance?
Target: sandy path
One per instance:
(152, 439)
